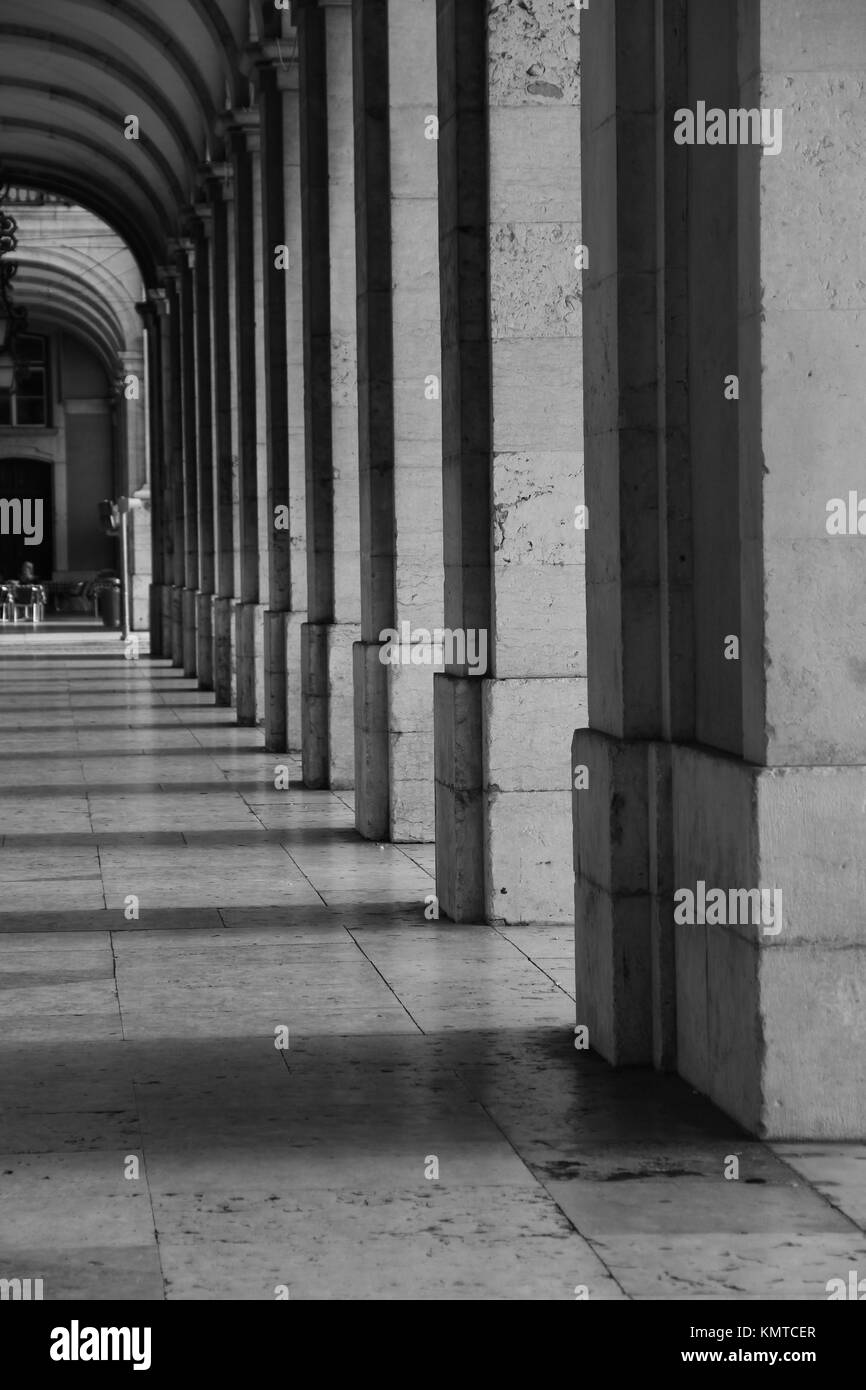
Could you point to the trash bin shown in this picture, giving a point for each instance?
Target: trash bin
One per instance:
(108, 602)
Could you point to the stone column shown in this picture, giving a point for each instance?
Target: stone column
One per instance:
(772, 1024)
(399, 375)
(273, 89)
(189, 436)
(134, 431)
(224, 420)
(727, 748)
(509, 196)
(202, 302)
(170, 362)
(330, 355)
(149, 312)
(254, 532)
(612, 762)
(289, 79)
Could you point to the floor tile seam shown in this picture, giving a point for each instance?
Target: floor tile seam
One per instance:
(535, 964)
(89, 806)
(825, 1198)
(116, 985)
(404, 851)
(138, 1121)
(281, 845)
(387, 983)
(588, 1240)
(190, 729)
(142, 1146)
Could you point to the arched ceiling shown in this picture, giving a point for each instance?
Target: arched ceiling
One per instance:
(72, 71)
(52, 297)
(75, 273)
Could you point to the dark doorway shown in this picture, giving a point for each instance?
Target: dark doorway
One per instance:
(27, 482)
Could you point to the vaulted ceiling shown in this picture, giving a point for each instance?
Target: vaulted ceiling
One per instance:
(73, 71)
(75, 273)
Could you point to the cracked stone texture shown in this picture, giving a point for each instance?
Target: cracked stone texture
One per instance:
(535, 290)
(534, 48)
(534, 500)
(344, 368)
(538, 614)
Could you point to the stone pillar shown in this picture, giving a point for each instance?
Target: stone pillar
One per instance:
(170, 362)
(254, 532)
(225, 431)
(189, 435)
(290, 80)
(509, 196)
(162, 594)
(275, 83)
(727, 748)
(399, 376)
(149, 313)
(330, 357)
(785, 813)
(134, 433)
(202, 301)
(611, 762)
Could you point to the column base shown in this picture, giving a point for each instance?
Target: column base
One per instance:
(394, 766)
(165, 619)
(500, 774)
(250, 646)
(276, 682)
(295, 623)
(527, 797)
(764, 1018)
(205, 641)
(283, 732)
(328, 704)
(612, 899)
(140, 603)
(372, 742)
(225, 668)
(190, 630)
(412, 764)
(461, 880)
(155, 610)
(176, 625)
(756, 1006)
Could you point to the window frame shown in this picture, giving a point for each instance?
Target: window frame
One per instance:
(42, 365)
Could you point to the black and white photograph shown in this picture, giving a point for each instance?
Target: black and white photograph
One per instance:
(433, 669)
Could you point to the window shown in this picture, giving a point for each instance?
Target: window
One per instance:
(27, 406)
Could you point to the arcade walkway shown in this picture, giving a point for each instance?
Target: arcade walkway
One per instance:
(409, 1040)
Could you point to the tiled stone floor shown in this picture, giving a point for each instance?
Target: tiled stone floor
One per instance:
(154, 1040)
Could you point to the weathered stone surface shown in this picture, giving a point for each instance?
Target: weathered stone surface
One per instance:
(529, 854)
(341, 638)
(544, 712)
(535, 289)
(250, 649)
(224, 660)
(534, 53)
(813, 1012)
